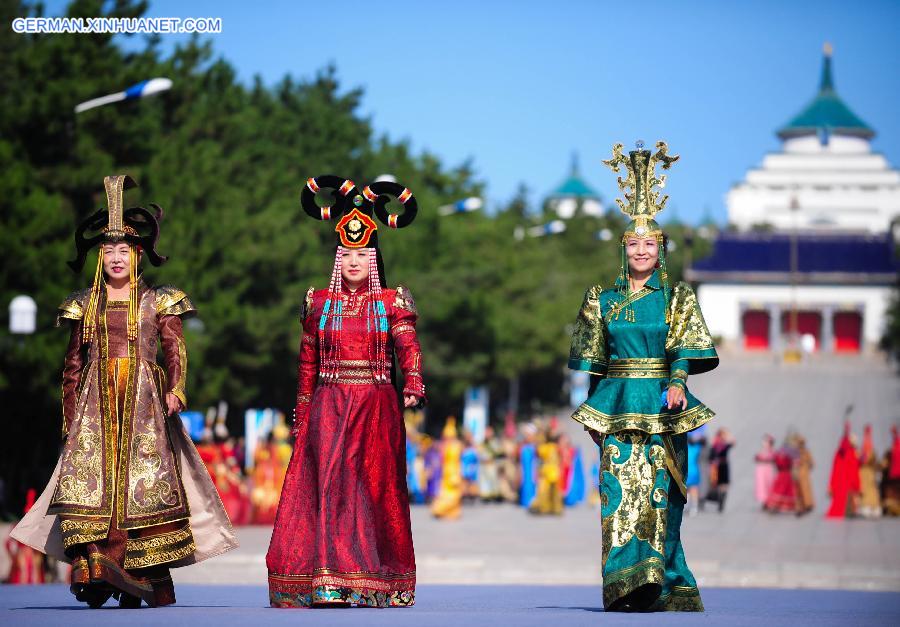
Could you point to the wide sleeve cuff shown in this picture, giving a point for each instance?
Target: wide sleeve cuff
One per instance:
(586, 365)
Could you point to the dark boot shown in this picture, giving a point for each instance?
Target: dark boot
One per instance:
(129, 601)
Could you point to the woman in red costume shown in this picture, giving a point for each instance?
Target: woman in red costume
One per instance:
(783, 494)
(844, 484)
(26, 564)
(342, 532)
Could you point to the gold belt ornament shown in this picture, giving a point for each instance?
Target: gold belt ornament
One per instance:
(638, 368)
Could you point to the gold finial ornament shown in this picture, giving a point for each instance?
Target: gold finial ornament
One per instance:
(640, 197)
(828, 49)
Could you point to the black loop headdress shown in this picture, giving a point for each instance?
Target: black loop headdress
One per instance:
(379, 194)
(356, 227)
(135, 225)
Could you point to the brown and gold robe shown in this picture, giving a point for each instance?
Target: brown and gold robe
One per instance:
(130, 496)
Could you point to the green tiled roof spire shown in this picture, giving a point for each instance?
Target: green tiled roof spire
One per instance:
(827, 114)
(574, 186)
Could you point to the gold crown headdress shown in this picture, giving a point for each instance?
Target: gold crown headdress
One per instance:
(643, 203)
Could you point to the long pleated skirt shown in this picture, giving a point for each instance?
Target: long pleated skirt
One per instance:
(644, 567)
(342, 532)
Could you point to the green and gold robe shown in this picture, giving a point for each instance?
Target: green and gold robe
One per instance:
(633, 356)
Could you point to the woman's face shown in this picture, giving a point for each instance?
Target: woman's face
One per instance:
(355, 266)
(642, 253)
(117, 260)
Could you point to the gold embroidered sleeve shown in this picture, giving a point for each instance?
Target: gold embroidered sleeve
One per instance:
(404, 300)
(588, 350)
(178, 388)
(72, 308)
(689, 341)
(171, 301)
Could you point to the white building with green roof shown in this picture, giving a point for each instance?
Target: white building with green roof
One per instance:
(574, 195)
(826, 177)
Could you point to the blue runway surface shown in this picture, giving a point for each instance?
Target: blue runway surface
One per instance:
(461, 606)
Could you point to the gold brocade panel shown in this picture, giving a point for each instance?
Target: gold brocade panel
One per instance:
(634, 491)
(118, 455)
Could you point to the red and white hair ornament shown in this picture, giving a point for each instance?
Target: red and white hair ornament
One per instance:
(312, 185)
(369, 194)
(405, 195)
(346, 187)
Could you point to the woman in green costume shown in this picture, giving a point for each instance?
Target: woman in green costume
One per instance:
(639, 341)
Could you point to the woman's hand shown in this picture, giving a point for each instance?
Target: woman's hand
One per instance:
(410, 401)
(675, 397)
(173, 404)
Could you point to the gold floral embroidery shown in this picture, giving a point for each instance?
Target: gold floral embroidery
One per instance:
(171, 301)
(688, 329)
(589, 337)
(178, 388)
(404, 299)
(159, 549)
(630, 469)
(73, 307)
(81, 531)
(84, 485)
(148, 489)
(648, 423)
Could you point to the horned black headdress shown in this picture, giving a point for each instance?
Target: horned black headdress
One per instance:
(356, 228)
(354, 211)
(136, 225)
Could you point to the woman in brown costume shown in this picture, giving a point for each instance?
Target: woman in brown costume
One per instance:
(803, 466)
(130, 497)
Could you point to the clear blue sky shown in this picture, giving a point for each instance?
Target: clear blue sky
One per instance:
(518, 86)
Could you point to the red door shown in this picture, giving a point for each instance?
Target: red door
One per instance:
(847, 332)
(756, 330)
(808, 323)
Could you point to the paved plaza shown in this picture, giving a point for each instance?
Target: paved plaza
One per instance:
(742, 547)
(469, 606)
(500, 565)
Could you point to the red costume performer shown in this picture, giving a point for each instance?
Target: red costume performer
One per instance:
(783, 495)
(844, 484)
(342, 533)
(26, 564)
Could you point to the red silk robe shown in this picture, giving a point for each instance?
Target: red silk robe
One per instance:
(342, 532)
(844, 483)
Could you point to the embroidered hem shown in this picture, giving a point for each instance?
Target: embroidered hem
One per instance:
(680, 599)
(648, 423)
(625, 581)
(328, 586)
